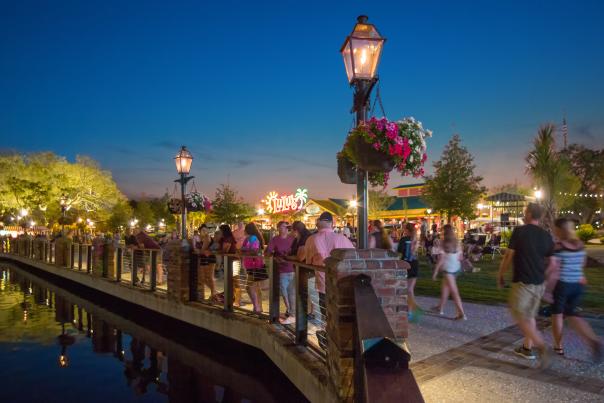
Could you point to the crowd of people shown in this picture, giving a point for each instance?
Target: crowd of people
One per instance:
(546, 266)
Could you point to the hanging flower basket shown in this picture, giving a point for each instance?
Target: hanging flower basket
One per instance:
(175, 206)
(346, 170)
(379, 145)
(198, 202)
(368, 158)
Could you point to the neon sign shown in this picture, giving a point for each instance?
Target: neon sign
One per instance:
(282, 204)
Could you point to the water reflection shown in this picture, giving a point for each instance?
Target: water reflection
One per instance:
(95, 346)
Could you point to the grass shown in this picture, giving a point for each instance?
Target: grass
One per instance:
(482, 286)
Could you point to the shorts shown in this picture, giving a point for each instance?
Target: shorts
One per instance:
(566, 298)
(256, 274)
(413, 271)
(525, 300)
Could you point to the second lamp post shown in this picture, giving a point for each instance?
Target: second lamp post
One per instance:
(361, 52)
(183, 161)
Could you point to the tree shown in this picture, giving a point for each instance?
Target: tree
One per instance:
(228, 207)
(379, 200)
(121, 214)
(588, 166)
(551, 172)
(512, 188)
(37, 181)
(454, 189)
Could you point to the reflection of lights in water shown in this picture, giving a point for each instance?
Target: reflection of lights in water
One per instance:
(75, 321)
(236, 267)
(30, 290)
(25, 315)
(63, 361)
(91, 331)
(47, 302)
(123, 352)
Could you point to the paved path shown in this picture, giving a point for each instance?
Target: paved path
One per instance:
(472, 361)
(596, 252)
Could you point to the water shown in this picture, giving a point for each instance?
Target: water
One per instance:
(62, 343)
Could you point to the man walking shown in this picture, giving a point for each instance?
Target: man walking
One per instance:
(529, 247)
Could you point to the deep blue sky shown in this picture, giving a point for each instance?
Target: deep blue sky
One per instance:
(258, 92)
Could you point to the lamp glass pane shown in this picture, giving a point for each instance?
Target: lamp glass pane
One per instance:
(346, 55)
(366, 54)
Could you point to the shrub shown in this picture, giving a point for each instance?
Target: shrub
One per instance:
(586, 232)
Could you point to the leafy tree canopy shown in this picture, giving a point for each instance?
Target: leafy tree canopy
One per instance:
(228, 207)
(454, 189)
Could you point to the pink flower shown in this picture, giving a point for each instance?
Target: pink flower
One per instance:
(424, 157)
(376, 146)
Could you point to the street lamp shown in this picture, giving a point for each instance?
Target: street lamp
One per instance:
(361, 53)
(183, 161)
(63, 202)
(538, 194)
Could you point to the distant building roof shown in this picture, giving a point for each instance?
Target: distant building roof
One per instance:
(412, 203)
(330, 205)
(506, 197)
(413, 185)
(341, 202)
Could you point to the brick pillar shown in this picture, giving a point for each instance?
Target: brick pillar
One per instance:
(63, 252)
(177, 262)
(110, 253)
(389, 280)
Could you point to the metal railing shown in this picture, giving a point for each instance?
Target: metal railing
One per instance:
(139, 267)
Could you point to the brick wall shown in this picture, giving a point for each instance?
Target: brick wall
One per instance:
(177, 262)
(389, 280)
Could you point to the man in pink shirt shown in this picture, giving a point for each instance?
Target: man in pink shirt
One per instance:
(318, 248)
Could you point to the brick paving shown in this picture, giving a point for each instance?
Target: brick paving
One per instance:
(476, 364)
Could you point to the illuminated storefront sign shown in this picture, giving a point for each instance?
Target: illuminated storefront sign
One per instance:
(286, 203)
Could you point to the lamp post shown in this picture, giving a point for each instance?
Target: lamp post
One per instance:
(361, 52)
(183, 161)
(63, 202)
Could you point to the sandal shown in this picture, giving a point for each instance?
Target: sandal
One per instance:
(559, 351)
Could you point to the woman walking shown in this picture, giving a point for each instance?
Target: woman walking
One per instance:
(569, 258)
(450, 265)
(253, 244)
(407, 247)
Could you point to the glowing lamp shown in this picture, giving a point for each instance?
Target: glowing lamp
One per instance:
(183, 161)
(362, 50)
(353, 204)
(538, 194)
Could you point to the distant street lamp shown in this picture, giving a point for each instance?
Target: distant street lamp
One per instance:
(63, 202)
(183, 161)
(354, 205)
(361, 52)
(538, 194)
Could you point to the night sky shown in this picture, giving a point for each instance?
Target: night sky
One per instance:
(258, 92)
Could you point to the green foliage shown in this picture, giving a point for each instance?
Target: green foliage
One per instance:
(454, 189)
(588, 166)
(144, 213)
(121, 214)
(586, 232)
(37, 181)
(228, 207)
(379, 200)
(551, 171)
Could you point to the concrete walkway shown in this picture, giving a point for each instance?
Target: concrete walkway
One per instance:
(472, 361)
(596, 252)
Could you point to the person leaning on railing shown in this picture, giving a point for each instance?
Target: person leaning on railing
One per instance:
(280, 247)
(253, 245)
(318, 247)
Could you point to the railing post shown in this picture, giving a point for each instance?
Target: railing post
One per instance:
(119, 262)
(273, 291)
(79, 257)
(301, 305)
(228, 284)
(193, 274)
(72, 260)
(134, 267)
(105, 267)
(153, 270)
(88, 259)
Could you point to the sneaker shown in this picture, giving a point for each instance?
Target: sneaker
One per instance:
(525, 353)
(460, 317)
(287, 321)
